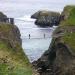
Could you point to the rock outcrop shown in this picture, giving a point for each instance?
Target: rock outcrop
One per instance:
(10, 33)
(46, 18)
(59, 59)
(2, 17)
(13, 60)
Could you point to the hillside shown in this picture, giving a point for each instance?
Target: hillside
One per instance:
(69, 15)
(68, 26)
(59, 59)
(13, 60)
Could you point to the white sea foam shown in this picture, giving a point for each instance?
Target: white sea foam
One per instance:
(26, 18)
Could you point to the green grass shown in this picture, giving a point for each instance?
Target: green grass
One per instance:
(13, 61)
(17, 71)
(70, 21)
(68, 24)
(69, 39)
(5, 28)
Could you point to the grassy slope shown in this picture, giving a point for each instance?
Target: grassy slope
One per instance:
(69, 37)
(70, 12)
(12, 61)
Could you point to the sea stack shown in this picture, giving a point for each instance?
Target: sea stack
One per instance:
(46, 18)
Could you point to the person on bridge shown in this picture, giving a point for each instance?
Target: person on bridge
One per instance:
(29, 36)
(44, 35)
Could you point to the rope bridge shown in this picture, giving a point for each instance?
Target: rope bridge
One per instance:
(44, 36)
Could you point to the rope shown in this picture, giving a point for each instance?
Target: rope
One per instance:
(23, 20)
(37, 38)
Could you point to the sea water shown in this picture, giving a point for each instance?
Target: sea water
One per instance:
(37, 44)
(21, 10)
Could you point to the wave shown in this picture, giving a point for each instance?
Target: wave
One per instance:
(26, 18)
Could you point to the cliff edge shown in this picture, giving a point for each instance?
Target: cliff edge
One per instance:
(13, 60)
(59, 59)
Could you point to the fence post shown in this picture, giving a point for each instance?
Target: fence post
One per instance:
(7, 20)
(12, 21)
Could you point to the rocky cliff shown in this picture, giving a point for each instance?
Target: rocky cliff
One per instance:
(59, 59)
(46, 18)
(13, 60)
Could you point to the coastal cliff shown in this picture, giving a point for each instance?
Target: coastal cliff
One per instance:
(46, 18)
(59, 59)
(13, 60)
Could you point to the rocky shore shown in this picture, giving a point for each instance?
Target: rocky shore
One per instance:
(59, 59)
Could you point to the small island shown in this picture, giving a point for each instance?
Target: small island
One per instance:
(46, 18)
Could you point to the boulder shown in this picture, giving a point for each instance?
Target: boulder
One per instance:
(46, 18)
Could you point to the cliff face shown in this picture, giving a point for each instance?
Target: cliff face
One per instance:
(59, 59)
(13, 60)
(46, 18)
(69, 15)
(10, 33)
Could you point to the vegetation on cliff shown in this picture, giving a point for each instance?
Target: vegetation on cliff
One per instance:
(60, 57)
(68, 25)
(44, 13)
(69, 15)
(65, 43)
(13, 60)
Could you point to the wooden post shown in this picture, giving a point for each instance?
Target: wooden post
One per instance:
(7, 20)
(12, 21)
(4, 19)
(0, 19)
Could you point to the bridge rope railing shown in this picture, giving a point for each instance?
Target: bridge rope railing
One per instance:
(44, 36)
(36, 38)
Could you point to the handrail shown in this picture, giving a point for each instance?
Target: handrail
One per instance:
(36, 38)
